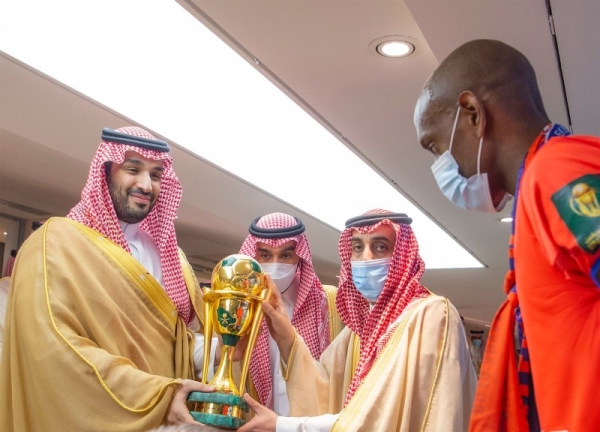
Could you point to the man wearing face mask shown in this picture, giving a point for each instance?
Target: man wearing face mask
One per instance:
(401, 363)
(490, 91)
(277, 241)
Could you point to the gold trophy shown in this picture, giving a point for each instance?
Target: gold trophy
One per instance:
(232, 308)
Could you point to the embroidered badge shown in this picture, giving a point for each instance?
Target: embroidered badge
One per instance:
(225, 317)
(578, 204)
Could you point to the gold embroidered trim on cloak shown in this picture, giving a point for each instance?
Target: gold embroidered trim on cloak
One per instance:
(335, 322)
(355, 354)
(192, 285)
(162, 389)
(365, 391)
(439, 365)
(285, 370)
(138, 274)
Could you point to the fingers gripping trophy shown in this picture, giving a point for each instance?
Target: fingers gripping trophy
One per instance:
(233, 308)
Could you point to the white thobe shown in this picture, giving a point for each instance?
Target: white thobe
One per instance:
(322, 423)
(143, 248)
(281, 404)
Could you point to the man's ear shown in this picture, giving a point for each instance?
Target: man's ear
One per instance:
(472, 106)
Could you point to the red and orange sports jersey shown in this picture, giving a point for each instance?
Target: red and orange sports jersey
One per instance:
(557, 260)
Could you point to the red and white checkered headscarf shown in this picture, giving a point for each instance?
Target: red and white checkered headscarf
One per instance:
(310, 316)
(96, 210)
(401, 287)
(10, 264)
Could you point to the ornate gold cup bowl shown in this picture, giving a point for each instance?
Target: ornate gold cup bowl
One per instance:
(233, 309)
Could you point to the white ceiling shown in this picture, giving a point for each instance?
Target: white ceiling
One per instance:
(317, 52)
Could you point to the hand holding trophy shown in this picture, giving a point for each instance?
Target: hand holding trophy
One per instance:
(233, 308)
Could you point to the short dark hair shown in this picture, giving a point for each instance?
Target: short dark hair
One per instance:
(13, 253)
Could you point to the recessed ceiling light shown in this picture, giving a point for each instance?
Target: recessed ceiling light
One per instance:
(5, 233)
(506, 219)
(256, 99)
(395, 48)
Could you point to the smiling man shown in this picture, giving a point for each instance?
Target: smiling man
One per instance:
(98, 332)
(133, 201)
(402, 361)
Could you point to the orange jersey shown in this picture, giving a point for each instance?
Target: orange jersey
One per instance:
(557, 261)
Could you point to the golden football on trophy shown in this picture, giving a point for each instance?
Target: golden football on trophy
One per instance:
(233, 309)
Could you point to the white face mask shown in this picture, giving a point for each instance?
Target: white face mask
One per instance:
(282, 274)
(470, 194)
(369, 277)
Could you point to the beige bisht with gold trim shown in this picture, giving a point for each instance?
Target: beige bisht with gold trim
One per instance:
(423, 379)
(85, 322)
(402, 362)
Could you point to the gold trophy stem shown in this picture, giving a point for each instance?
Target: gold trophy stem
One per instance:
(208, 330)
(264, 295)
(223, 379)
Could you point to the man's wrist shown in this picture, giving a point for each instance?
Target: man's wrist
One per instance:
(286, 353)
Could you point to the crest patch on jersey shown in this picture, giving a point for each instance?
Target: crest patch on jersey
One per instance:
(578, 204)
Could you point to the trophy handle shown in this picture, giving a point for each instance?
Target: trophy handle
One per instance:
(264, 295)
(208, 330)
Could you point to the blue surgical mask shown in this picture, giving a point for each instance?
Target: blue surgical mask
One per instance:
(369, 277)
(470, 194)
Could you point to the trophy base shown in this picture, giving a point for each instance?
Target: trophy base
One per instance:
(217, 409)
(218, 420)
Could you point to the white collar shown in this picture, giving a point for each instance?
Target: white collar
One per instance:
(131, 231)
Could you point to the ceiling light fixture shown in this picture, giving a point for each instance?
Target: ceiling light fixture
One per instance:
(393, 46)
(231, 93)
(395, 49)
(506, 219)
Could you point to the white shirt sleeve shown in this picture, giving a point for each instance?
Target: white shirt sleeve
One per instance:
(322, 423)
(199, 355)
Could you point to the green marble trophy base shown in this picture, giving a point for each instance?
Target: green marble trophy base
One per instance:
(223, 402)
